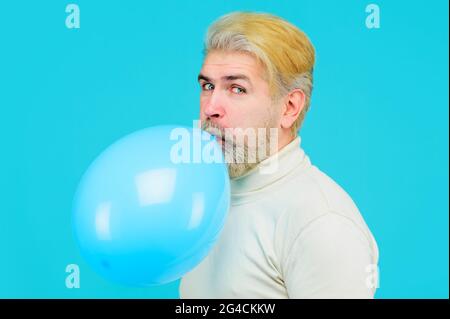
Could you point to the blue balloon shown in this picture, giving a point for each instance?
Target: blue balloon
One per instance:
(147, 211)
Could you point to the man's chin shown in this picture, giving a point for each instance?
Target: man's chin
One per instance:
(236, 170)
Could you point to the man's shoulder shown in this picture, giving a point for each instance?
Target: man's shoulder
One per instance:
(316, 199)
(311, 190)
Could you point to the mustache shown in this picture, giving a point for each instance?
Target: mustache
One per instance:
(213, 129)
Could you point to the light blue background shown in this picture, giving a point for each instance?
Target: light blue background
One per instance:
(378, 123)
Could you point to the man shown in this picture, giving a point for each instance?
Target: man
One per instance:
(291, 231)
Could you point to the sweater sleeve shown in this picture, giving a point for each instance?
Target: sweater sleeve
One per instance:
(330, 258)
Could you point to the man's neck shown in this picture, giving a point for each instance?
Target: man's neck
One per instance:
(284, 140)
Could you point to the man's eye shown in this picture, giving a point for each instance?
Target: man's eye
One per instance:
(207, 86)
(238, 90)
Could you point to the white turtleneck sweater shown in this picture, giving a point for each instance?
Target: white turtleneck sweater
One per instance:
(290, 233)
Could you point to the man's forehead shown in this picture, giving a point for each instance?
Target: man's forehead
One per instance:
(220, 57)
(225, 63)
(218, 67)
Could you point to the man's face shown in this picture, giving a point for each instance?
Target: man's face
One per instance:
(234, 95)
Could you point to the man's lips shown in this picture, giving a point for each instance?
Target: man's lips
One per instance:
(219, 139)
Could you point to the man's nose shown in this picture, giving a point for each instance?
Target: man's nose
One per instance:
(214, 108)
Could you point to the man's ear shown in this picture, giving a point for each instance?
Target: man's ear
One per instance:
(293, 105)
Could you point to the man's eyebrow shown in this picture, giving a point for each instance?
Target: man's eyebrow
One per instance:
(236, 77)
(227, 78)
(203, 77)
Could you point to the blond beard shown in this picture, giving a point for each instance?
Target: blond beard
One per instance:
(241, 162)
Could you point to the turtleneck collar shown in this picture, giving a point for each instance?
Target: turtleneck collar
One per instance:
(269, 170)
